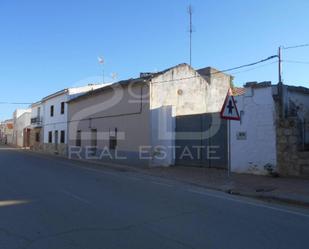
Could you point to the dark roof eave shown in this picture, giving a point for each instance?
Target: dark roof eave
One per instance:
(54, 95)
(299, 89)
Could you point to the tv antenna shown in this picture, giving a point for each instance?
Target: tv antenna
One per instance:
(190, 12)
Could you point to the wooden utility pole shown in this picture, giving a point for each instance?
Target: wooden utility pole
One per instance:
(279, 66)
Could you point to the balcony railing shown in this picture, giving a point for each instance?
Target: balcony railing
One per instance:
(36, 121)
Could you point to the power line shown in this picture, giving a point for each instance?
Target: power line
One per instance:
(280, 60)
(297, 62)
(296, 46)
(248, 65)
(191, 77)
(14, 103)
(222, 71)
(251, 69)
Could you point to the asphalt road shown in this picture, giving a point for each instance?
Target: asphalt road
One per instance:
(53, 203)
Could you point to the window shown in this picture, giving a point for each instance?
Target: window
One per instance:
(52, 111)
(93, 137)
(37, 137)
(39, 112)
(79, 138)
(62, 108)
(50, 137)
(56, 139)
(113, 140)
(62, 137)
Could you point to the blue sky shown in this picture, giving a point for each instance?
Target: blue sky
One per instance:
(50, 45)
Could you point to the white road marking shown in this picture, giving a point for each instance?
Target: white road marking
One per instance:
(162, 184)
(76, 197)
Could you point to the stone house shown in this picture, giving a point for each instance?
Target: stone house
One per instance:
(273, 131)
(135, 121)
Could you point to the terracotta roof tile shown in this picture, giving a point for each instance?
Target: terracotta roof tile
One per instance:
(238, 91)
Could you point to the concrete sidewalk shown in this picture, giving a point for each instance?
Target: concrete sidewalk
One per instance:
(283, 189)
(279, 189)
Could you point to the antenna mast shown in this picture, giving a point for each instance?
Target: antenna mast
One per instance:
(190, 12)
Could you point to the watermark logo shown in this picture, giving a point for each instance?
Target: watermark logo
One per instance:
(146, 152)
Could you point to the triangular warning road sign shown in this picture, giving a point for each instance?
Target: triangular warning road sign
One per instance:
(229, 108)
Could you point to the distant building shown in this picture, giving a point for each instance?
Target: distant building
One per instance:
(21, 120)
(36, 126)
(6, 131)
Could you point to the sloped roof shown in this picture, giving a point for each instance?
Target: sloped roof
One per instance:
(203, 72)
(104, 88)
(299, 89)
(210, 71)
(142, 79)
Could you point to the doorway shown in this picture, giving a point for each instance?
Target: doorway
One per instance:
(56, 142)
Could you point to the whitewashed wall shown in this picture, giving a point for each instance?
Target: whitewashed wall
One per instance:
(21, 123)
(251, 152)
(59, 121)
(34, 111)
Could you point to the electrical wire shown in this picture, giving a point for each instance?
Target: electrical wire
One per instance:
(248, 65)
(297, 46)
(221, 71)
(186, 78)
(243, 71)
(14, 103)
(297, 62)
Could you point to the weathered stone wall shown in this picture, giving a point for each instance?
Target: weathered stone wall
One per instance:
(288, 144)
(34, 145)
(51, 149)
(292, 159)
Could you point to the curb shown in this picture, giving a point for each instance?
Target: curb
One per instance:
(271, 197)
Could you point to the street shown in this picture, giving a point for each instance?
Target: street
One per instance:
(49, 202)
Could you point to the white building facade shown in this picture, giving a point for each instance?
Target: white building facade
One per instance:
(253, 138)
(36, 126)
(272, 135)
(55, 118)
(21, 120)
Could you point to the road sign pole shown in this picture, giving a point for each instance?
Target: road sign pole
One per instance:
(229, 112)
